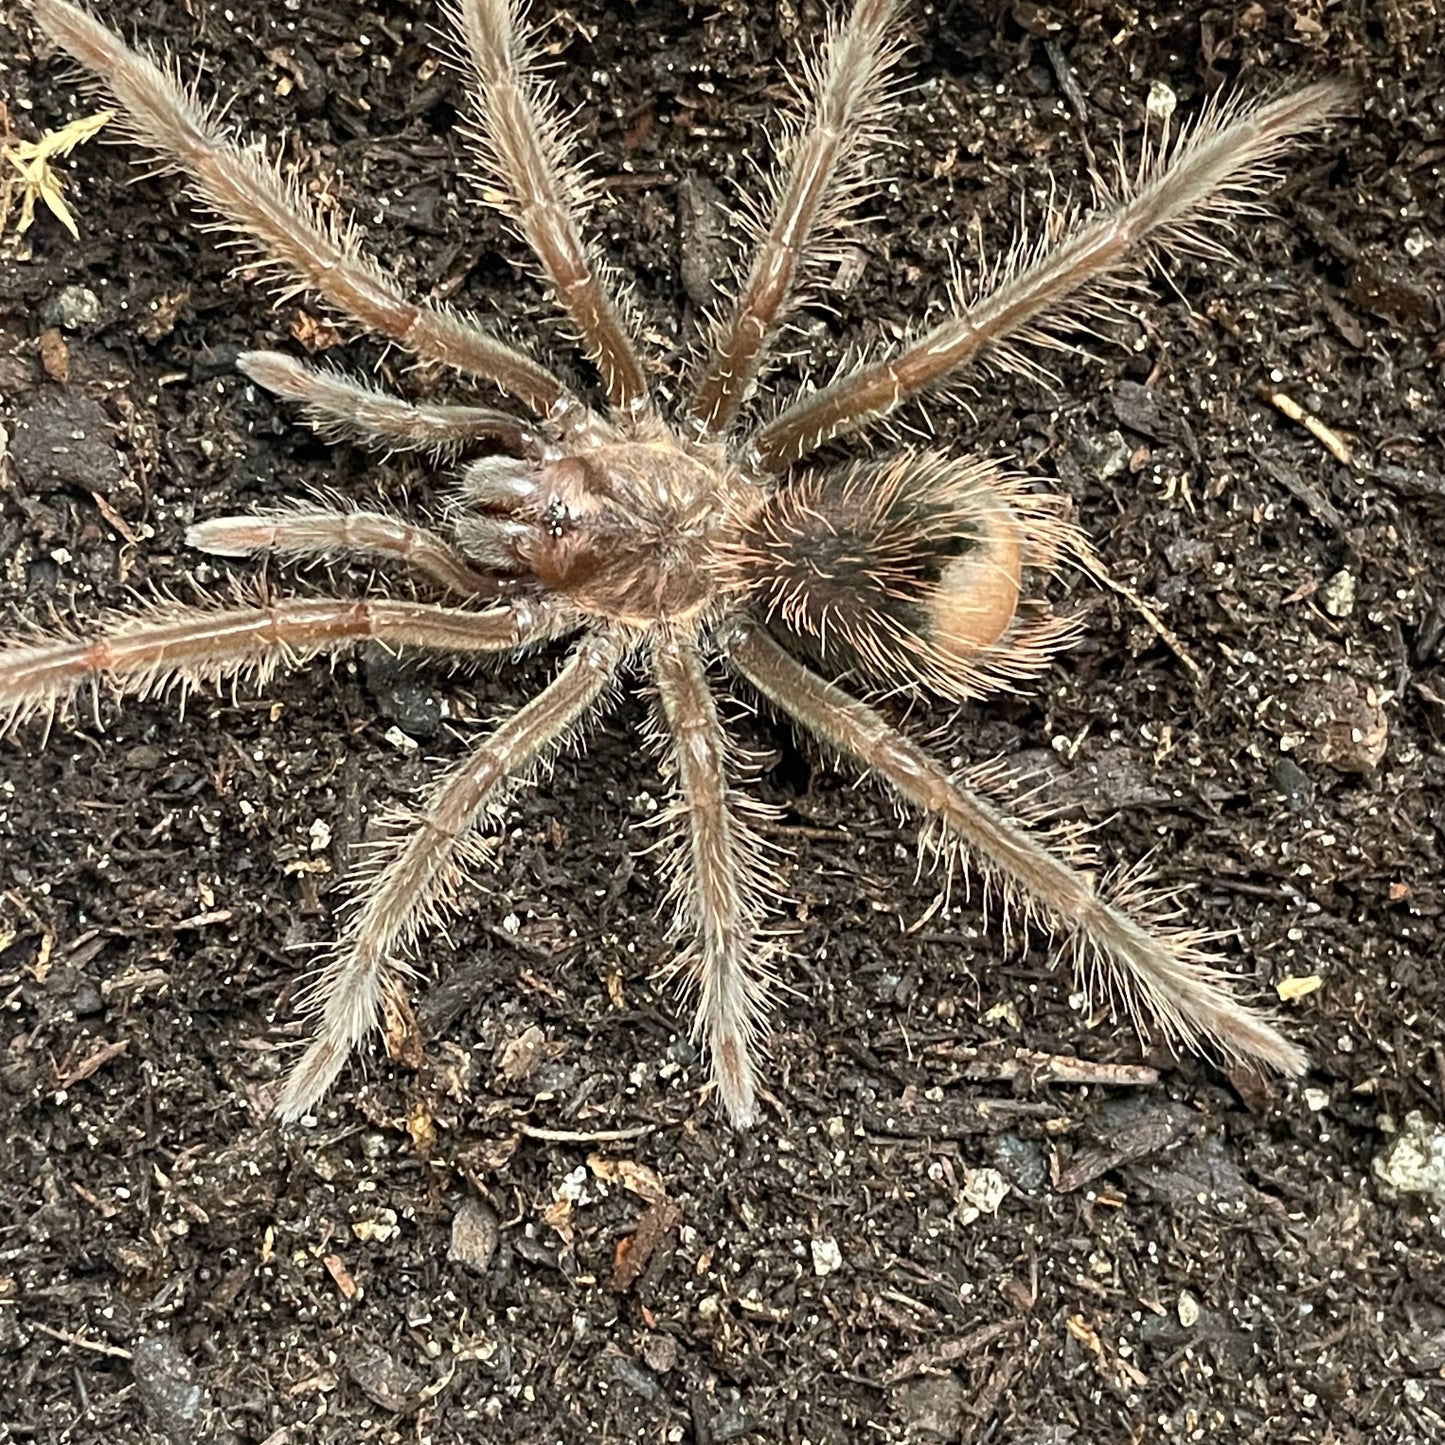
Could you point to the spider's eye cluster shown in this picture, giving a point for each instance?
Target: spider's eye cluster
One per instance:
(512, 504)
(907, 571)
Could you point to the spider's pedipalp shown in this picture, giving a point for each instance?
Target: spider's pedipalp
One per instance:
(314, 251)
(417, 877)
(1155, 973)
(343, 409)
(820, 177)
(331, 534)
(499, 484)
(718, 880)
(145, 653)
(1201, 178)
(520, 138)
(499, 543)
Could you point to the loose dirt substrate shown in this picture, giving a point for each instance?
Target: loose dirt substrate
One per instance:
(458, 1251)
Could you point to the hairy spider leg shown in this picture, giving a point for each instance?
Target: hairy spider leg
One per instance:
(340, 408)
(1206, 172)
(310, 533)
(418, 875)
(519, 136)
(818, 180)
(169, 645)
(718, 879)
(1167, 975)
(308, 248)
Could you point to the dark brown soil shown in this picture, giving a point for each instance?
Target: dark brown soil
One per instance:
(541, 1232)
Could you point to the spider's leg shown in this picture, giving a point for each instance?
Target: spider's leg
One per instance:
(820, 177)
(169, 645)
(520, 137)
(319, 533)
(420, 876)
(1161, 975)
(308, 248)
(1209, 173)
(343, 409)
(718, 880)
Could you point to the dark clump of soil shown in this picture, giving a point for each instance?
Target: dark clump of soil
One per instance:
(966, 1215)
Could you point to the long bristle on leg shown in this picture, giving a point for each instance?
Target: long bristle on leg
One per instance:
(718, 880)
(1160, 977)
(417, 878)
(274, 215)
(1204, 178)
(168, 645)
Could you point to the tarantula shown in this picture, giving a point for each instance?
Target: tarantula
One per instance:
(670, 543)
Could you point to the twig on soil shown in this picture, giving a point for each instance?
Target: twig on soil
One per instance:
(1164, 632)
(582, 1136)
(92, 1065)
(1331, 440)
(78, 1341)
(948, 1352)
(980, 1064)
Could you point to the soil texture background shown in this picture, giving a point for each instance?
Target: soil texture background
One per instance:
(970, 1212)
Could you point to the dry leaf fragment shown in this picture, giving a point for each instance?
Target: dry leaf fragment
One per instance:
(1297, 986)
(341, 1276)
(636, 1178)
(37, 179)
(634, 1251)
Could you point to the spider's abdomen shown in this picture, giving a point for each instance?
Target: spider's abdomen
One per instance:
(972, 593)
(909, 571)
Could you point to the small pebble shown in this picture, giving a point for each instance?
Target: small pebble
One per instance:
(827, 1257)
(1337, 596)
(475, 1234)
(72, 308)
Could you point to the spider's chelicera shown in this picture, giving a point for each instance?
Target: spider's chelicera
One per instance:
(671, 544)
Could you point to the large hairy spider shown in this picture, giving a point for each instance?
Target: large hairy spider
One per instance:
(668, 544)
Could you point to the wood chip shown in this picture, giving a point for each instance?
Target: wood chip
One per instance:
(948, 1352)
(336, 1268)
(55, 355)
(634, 1251)
(92, 1065)
(1156, 1130)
